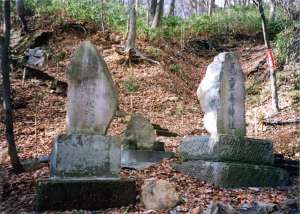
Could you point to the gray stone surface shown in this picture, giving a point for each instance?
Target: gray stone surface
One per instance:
(139, 134)
(139, 159)
(159, 194)
(91, 194)
(220, 208)
(85, 156)
(227, 148)
(222, 96)
(92, 97)
(231, 175)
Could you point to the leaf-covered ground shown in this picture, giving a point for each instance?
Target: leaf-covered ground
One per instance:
(164, 94)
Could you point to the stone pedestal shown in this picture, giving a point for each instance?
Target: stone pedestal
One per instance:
(89, 194)
(227, 148)
(84, 175)
(231, 161)
(234, 175)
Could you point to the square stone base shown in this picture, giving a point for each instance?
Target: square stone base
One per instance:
(227, 148)
(234, 175)
(94, 194)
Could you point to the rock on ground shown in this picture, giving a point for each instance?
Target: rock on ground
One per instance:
(220, 208)
(159, 194)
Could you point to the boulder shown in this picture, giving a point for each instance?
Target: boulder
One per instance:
(159, 194)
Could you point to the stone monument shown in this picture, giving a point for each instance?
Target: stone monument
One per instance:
(227, 158)
(84, 163)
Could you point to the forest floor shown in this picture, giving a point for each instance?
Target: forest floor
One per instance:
(166, 95)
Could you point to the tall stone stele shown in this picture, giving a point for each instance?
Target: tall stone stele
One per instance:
(84, 163)
(222, 97)
(227, 157)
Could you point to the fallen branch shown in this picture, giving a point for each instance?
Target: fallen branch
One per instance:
(163, 132)
(57, 85)
(280, 122)
(134, 55)
(258, 66)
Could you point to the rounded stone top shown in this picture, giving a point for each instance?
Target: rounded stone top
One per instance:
(86, 63)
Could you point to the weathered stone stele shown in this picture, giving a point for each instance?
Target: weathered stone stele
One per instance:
(92, 97)
(227, 158)
(85, 164)
(222, 96)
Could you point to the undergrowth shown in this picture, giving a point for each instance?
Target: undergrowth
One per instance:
(282, 43)
(229, 22)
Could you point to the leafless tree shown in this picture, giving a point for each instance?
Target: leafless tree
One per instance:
(131, 33)
(211, 6)
(272, 10)
(172, 8)
(159, 11)
(21, 12)
(7, 104)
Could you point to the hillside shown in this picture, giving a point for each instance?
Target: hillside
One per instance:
(165, 94)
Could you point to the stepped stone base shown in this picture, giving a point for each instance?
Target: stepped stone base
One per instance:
(227, 148)
(93, 194)
(233, 175)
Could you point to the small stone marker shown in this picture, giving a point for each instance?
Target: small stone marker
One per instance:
(139, 134)
(227, 158)
(84, 164)
(92, 97)
(222, 96)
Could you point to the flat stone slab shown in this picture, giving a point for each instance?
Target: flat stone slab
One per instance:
(141, 159)
(85, 156)
(64, 194)
(234, 175)
(227, 148)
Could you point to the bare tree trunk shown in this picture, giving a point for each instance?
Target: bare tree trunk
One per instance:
(136, 4)
(158, 14)
(102, 15)
(7, 106)
(20, 7)
(151, 10)
(172, 8)
(272, 10)
(131, 34)
(271, 65)
(211, 6)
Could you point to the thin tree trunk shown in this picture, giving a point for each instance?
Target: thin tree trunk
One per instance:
(172, 8)
(211, 6)
(7, 106)
(272, 10)
(20, 8)
(158, 14)
(131, 34)
(271, 66)
(151, 10)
